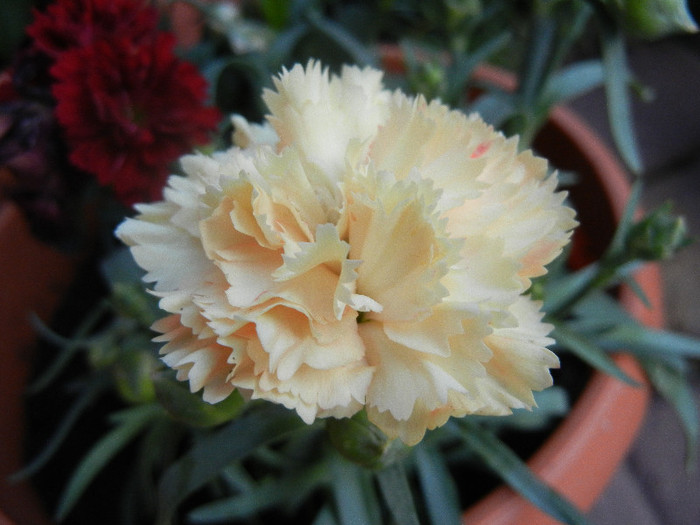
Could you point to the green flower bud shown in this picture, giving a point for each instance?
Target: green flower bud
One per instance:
(459, 10)
(190, 408)
(133, 301)
(363, 443)
(133, 376)
(652, 18)
(658, 236)
(428, 79)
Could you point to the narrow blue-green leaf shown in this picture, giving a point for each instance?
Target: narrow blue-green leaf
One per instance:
(617, 245)
(68, 346)
(459, 72)
(129, 423)
(237, 478)
(506, 464)
(325, 517)
(534, 71)
(574, 81)
(283, 45)
(119, 267)
(91, 392)
(494, 107)
(287, 492)
(673, 386)
(617, 78)
(440, 493)
(276, 13)
(346, 41)
(589, 352)
(266, 422)
(561, 292)
(637, 290)
(552, 402)
(396, 491)
(649, 342)
(349, 483)
(598, 312)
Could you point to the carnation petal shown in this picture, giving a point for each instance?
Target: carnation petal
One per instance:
(403, 255)
(403, 375)
(335, 392)
(202, 362)
(521, 361)
(247, 265)
(288, 337)
(321, 114)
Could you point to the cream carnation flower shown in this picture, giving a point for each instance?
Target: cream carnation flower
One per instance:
(362, 249)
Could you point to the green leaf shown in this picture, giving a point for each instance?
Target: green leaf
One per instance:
(325, 517)
(345, 40)
(506, 464)
(459, 72)
(495, 107)
(551, 402)
(649, 342)
(91, 391)
(69, 346)
(596, 313)
(353, 493)
(586, 350)
(396, 491)
(237, 478)
(561, 294)
(261, 424)
(283, 45)
(539, 52)
(574, 81)
(276, 12)
(672, 384)
(652, 19)
(617, 78)
(119, 267)
(637, 290)
(617, 245)
(129, 423)
(440, 494)
(288, 491)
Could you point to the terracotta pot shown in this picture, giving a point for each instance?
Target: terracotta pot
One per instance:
(33, 278)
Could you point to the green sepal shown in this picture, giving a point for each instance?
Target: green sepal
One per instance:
(189, 408)
(361, 442)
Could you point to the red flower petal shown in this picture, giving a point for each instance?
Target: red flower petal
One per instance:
(67, 24)
(129, 110)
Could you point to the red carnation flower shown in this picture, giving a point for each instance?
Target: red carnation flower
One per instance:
(67, 24)
(129, 110)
